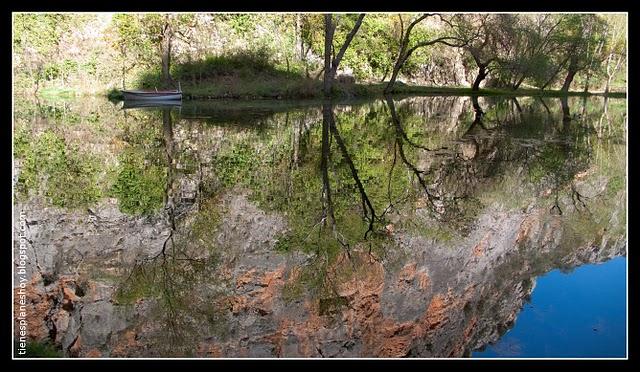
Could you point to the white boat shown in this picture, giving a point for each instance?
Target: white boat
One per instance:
(153, 95)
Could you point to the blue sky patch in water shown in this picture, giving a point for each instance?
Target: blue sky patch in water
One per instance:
(577, 314)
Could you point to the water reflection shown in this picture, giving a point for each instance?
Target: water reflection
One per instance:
(554, 323)
(150, 104)
(412, 227)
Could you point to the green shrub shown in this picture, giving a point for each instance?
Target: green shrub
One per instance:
(139, 187)
(56, 169)
(39, 350)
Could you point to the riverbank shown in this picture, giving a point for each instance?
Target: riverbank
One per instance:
(307, 90)
(462, 91)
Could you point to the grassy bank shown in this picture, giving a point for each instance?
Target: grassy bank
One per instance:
(251, 75)
(274, 88)
(462, 91)
(313, 89)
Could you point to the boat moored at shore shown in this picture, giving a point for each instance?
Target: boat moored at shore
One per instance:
(153, 95)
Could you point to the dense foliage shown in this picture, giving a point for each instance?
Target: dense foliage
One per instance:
(230, 55)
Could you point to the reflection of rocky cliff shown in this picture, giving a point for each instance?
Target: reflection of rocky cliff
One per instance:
(422, 300)
(210, 283)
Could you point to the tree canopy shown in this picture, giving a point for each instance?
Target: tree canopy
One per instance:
(96, 52)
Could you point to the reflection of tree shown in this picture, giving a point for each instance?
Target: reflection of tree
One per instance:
(443, 204)
(367, 207)
(169, 199)
(546, 107)
(451, 181)
(327, 204)
(450, 175)
(54, 158)
(369, 214)
(170, 194)
(478, 114)
(566, 112)
(170, 276)
(556, 164)
(176, 283)
(502, 113)
(401, 138)
(605, 115)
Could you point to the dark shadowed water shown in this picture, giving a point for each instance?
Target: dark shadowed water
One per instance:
(406, 227)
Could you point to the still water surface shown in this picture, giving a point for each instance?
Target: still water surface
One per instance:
(581, 313)
(413, 227)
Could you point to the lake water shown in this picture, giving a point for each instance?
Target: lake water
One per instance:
(406, 227)
(581, 313)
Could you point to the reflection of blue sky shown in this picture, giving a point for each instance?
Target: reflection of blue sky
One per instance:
(576, 314)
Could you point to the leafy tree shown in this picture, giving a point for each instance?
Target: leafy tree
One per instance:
(36, 41)
(67, 51)
(128, 39)
(615, 47)
(525, 44)
(408, 45)
(163, 30)
(332, 59)
(480, 33)
(578, 33)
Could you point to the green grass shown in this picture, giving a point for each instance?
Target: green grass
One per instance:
(57, 93)
(257, 87)
(463, 91)
(306, 88)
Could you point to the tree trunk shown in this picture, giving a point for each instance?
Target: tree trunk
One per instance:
(482, 74)
(331, 64)
(566, 112)
(549, 81)
(568, 80)
(392, 81)
(590, 68)
(328, 43)
(518, 83)
(402, 59)
(124, 73)
(555, 73)
(299, 38)
(611, 74)
(166, 54)
(384, 76)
